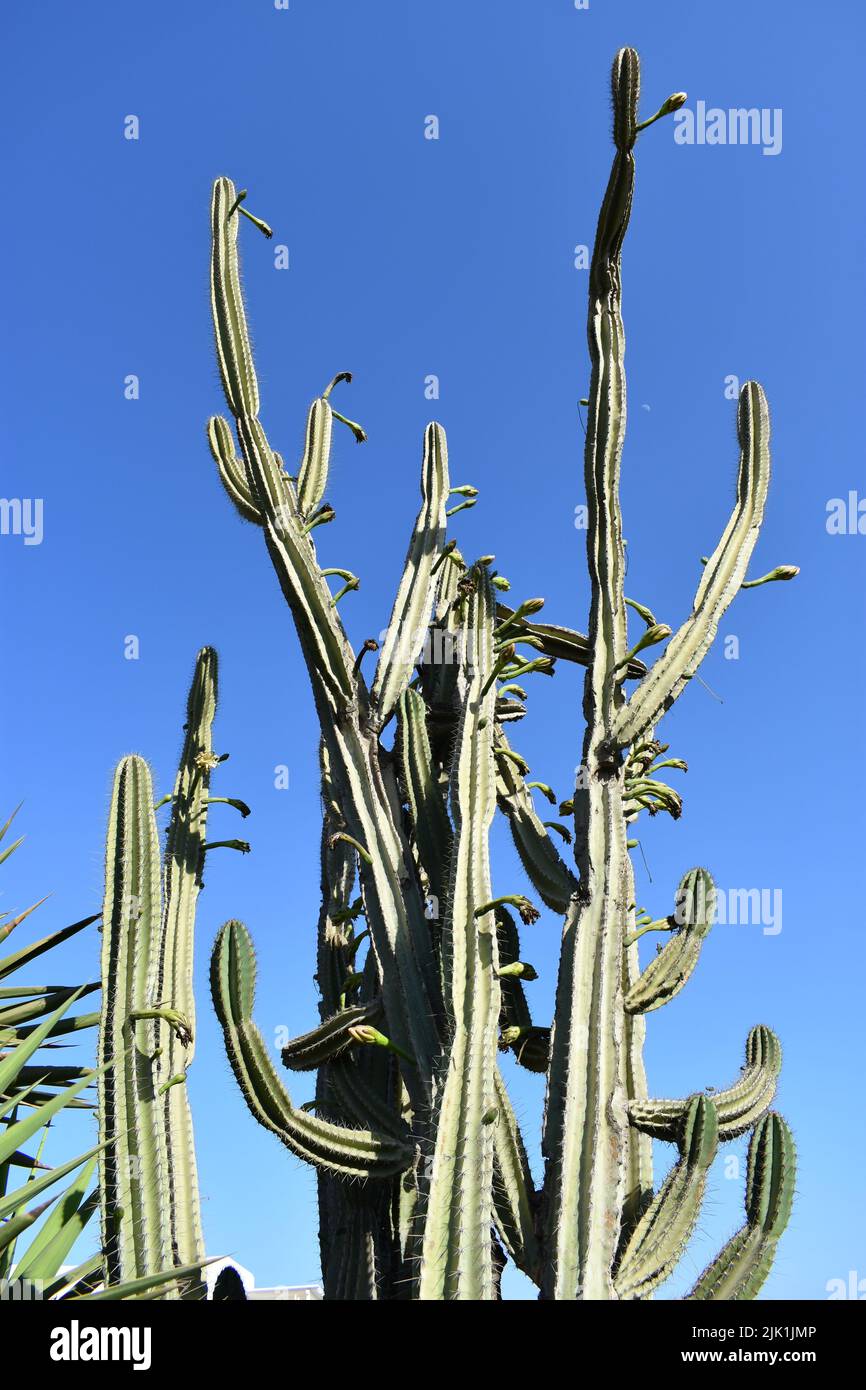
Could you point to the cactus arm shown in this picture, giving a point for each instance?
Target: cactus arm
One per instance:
(313, 472)
(393, 905)
(451, 567)
(174, 976)
(550, 876)
(392, 899)
(231, 469)
(639, 1149)
(410, 615)
(439, 665)
(456, 1258)
(585, 1126)
(336, 1148)
(329, 657)
(721, 579)
(666, 975)
(133, 1160)
(514, 1195)
(664, 1229)
(234, 352)
(562, 643)
(558, 642)
(433, 832)
(323, 1044)
(740, 1270)
(738, 1107)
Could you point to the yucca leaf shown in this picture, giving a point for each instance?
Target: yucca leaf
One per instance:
(47, 1252)
(38, 948)
(10, 1202)
(18, 1133)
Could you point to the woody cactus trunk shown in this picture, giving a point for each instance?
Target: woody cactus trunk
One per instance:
(424, 1185)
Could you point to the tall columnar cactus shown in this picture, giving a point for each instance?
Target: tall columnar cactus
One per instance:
(422, 975)
(149, 1193)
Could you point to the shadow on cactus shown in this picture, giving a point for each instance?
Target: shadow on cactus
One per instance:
(424, 1185)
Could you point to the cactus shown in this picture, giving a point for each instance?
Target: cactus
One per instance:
(151, 1220)
(424, 1184)
(741, 1268)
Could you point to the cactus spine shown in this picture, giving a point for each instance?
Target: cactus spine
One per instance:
(409, 1096)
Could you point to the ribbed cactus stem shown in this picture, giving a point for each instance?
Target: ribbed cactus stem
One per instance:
(586, 1127)
(661, 1234)
(738, 1106)
(456, 1259)
(133, 1162)
(234, 352)
(690, 923)
(184, 858)
(410, 616)
(149, 1184)
(722, 577)
(231, 469)
(338, 1148)
(740, 1270)
(313, 471)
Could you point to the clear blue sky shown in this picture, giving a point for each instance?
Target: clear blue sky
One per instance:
(455, 257)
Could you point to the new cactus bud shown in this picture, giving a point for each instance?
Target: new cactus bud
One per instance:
(657, 632)
(642, 611)
(526, 911)
(673, 103)
(371, 1037)
(519, 968)
(545, 790)
(781, 572)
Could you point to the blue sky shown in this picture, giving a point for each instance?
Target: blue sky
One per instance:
(454, 257)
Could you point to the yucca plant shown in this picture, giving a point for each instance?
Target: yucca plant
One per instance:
(40, 1224)
(424, 1184)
